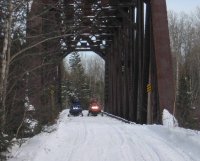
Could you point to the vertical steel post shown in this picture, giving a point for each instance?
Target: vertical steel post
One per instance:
(162, 55)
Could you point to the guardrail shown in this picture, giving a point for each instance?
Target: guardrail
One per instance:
(119, 118)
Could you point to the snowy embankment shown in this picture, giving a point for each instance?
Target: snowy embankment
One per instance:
(107, 139)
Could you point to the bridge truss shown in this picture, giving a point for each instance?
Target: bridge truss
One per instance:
(130, 35)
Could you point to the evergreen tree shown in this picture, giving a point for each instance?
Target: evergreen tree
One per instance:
(78, 86)
(183, 102)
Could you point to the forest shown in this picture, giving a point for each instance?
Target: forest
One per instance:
(83, 78)
(21, 77)
(184, 32)
(20, 119)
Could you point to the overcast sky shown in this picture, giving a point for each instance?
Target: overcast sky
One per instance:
(182, 5)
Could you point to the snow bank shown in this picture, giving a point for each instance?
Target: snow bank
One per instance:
(168, 119)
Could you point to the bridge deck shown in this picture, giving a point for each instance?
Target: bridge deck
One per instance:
(105, 139)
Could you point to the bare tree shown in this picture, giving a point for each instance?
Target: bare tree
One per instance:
(5, 58)
(14, 22)
(185, 38)
(95, 69)
(194, 58)
(176, 42)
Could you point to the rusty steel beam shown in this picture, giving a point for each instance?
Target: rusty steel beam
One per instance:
(145, 58)
(163, 57)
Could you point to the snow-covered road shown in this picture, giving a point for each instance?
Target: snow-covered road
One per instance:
(107, 139)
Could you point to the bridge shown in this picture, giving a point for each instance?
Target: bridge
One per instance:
(130, 35)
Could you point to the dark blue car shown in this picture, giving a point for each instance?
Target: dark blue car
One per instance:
(75, 109)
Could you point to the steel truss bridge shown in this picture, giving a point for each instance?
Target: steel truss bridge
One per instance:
(130, 35)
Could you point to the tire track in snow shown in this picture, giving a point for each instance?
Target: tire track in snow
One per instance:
(118, 140)
(78, 140)
(142, 147)
(152, 143)
(100, 147)
(123, 142)
(135, 149)
(171, 147)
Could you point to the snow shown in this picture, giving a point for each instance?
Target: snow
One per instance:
(108, 139)
(32, 123)
(31, 108)
(168, 119)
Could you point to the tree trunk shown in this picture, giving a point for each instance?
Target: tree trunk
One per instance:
(5, 59)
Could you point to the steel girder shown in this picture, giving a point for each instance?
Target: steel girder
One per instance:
(43, 64)
(132, 37)
(140, 59)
